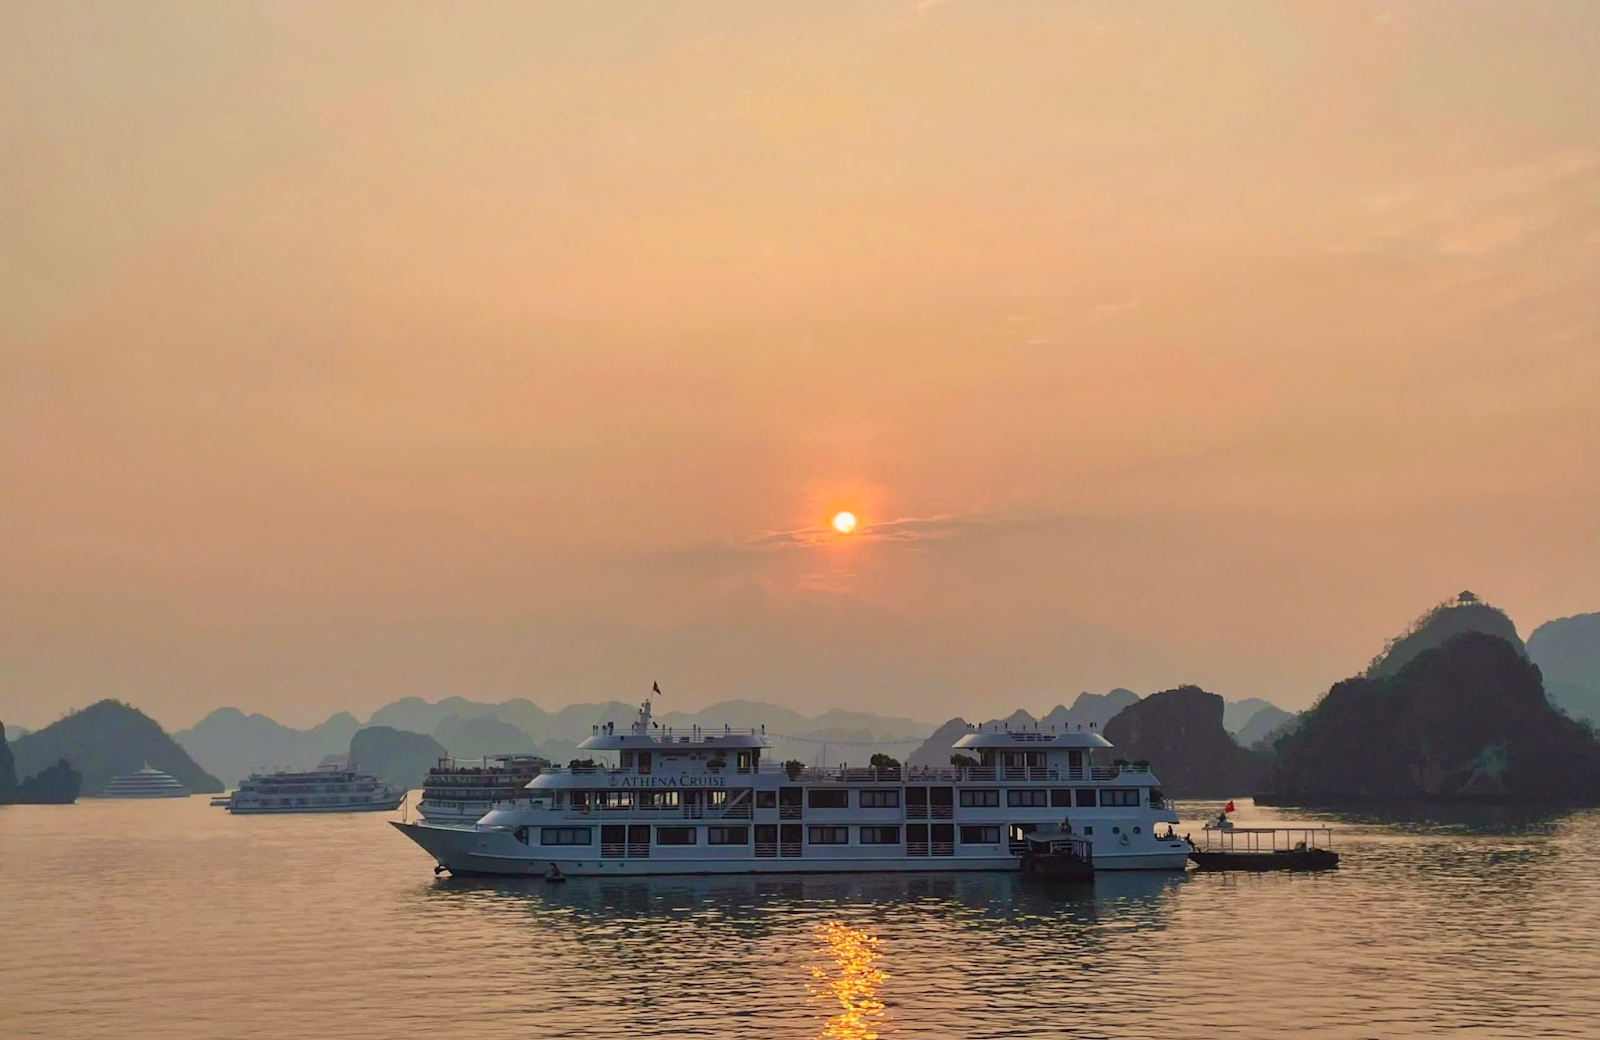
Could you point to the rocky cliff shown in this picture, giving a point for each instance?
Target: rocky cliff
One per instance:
(1180, 733)
(105, 740)
(936, 751)
(59, 784)
(1467, 720)
(1567, 652)
(1464, 613)
(8, 770)
(395, 755)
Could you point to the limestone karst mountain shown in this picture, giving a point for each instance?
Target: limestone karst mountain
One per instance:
(107, 739)
(1180, 732)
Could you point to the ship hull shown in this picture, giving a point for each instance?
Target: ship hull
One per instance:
(303, 809)
(470, 851)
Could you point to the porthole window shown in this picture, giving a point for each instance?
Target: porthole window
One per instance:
(1116, 830)
(1136, 830)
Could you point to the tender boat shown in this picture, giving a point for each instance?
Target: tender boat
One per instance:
(700, 801)
(1056, 856)
(1264, 848)
(144, 783)
(332, 788)
(462, 792)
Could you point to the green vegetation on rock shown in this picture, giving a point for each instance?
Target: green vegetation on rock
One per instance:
(1465, 720)
(105, 740)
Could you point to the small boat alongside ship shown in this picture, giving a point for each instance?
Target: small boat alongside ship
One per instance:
(334, 788)
(144, 783)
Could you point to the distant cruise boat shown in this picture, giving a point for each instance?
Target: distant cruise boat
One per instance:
(461, 792)
(329, 789)
(146, 783)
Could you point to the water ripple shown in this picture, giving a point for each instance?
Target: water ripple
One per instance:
(176, 920)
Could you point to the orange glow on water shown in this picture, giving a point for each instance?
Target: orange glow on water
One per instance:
(851, 980)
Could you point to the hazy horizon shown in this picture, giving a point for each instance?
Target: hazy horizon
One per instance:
(352, 352)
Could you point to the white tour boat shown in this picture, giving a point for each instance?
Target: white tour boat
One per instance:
(328, 789)
(144, 783)
(458, 792)
(705, 802)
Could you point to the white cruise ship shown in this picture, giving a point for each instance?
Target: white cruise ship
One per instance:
(145, 783)
(703, 802)
(459, 792)
(329, 789)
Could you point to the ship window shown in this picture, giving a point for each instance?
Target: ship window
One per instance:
(980, 835)
(979, 798)
(1119, 796)
(1137, 831)
(880, 800)
(1025, 798)
(563, 835)
(727, 835)
(1086, 798)
(880, 835)
(829, 835)
(1088, 832)
(1060, 796)
(521, 834)
(825, 798)
(1116, 830)
(766, 799)
(675, 835)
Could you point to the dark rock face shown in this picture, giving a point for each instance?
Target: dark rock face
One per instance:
(58, 785)
(8, 770)
(108, 739)
(395, 755)
(936, 750)
(1467, 720)
(1180, 733)
(1465, 613)
(1567, 652)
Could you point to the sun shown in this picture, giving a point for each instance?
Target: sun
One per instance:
(844, 523)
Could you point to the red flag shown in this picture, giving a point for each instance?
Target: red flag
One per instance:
(656, 688)
(1229, 807)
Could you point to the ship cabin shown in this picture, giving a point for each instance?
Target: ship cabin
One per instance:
(658, 789)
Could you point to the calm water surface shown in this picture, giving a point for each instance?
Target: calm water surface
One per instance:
(173, 919)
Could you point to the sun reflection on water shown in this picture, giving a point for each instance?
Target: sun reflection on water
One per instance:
(851, 981)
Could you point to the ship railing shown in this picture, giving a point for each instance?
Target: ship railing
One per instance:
(766, 849)
(944, 848)
(739, 811)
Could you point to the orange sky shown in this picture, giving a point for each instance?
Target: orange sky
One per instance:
(355, 351)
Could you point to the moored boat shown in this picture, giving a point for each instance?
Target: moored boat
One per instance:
(144, 783)
(461, 792)
(700, 801)
(1264, 848)
(329, 789)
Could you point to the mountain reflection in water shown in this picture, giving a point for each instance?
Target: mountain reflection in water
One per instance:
(194, 924)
